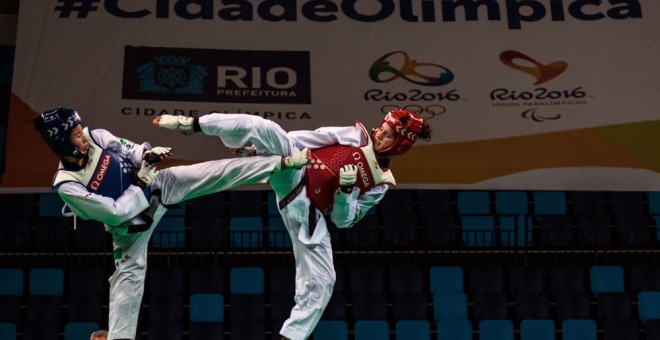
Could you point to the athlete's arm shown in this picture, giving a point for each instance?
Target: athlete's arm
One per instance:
(89, 206)
(348, 209)
(121, 146)
(346, 135)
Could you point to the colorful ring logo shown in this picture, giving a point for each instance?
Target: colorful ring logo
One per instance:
(424, 74)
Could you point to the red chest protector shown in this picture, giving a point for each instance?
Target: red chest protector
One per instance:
(323, 171)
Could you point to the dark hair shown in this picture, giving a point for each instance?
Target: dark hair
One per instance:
(425, 134)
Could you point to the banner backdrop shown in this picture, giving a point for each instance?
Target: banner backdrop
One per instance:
(521, 94)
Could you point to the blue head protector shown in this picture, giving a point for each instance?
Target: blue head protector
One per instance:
(57, 127)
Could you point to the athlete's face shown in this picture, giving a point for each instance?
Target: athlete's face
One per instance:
(78, 139)
(385, 136)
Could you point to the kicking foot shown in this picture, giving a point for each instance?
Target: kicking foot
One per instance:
(182, 123)
(295, 161)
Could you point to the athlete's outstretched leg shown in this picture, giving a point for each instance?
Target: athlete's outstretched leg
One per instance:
(235, 130)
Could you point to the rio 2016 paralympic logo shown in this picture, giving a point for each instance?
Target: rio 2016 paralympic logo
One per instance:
(541, 72)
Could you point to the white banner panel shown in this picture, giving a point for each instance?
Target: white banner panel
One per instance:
(521, 94)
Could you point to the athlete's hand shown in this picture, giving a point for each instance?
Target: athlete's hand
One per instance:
(147, 173)
(157, 154)
(348, 175)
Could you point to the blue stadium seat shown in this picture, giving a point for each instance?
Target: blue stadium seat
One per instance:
(246, 232)
(582, 329)
(446, 279)
(511, 208)
(549, 203)
(606, 279)
(654, 210)
(11, 294)
(648, 304)
(331, 330)
(495, 330)
(537, 330)
(454, 330)
(372, 330)
(478, 226)
(272, 203)
(413, 330)
(79, 330)
(169, 233)
(12, 281)
(478, 231)
(207, 308)
(473, 203)
(278, 236)
(450, 306)
(246, 280)
(47, 281)
(50, 205)
(8, 331)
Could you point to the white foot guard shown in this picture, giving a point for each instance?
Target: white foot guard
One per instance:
(295, 161)
(182, 123)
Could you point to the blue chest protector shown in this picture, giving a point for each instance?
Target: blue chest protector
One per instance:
(105, 173)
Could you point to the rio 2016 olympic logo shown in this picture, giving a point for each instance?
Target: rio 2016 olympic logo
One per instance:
(398, 64)
(427, 112)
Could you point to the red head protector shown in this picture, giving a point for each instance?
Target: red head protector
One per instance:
(407, 125)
